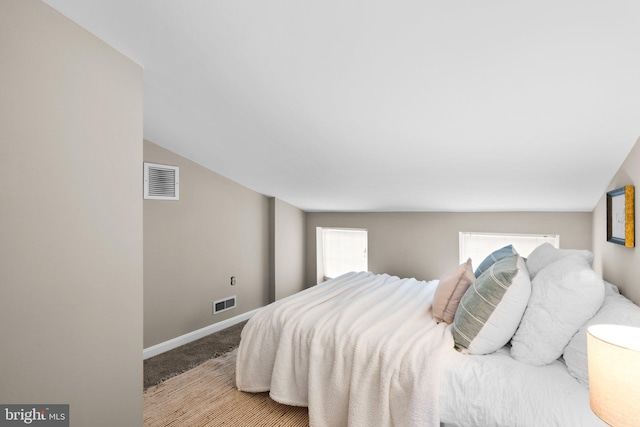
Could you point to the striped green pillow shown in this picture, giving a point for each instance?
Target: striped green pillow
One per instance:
(490, 311)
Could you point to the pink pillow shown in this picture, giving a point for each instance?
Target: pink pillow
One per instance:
(450, 290)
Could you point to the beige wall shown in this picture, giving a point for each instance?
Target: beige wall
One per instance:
(193, 246)
(287, 249)
(425, 244)
(618, 264)
(70, 219)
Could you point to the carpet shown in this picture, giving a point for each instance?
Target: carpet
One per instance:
(206, 396)
(183, 358)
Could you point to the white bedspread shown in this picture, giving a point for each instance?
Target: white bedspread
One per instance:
(358, 350)
(496, 390)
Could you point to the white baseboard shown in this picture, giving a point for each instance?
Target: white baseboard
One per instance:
(195, 335)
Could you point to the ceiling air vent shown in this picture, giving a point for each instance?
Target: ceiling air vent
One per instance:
(161, 182)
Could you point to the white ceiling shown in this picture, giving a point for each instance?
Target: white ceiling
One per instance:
(354, 105)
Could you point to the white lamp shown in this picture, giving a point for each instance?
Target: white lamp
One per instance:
(614, 373)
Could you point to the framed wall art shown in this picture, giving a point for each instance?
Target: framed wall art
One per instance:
(621, 216)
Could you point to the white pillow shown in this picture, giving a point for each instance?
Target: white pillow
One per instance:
(616, 310)
(545, 254)
(492, 307)
(564, 295)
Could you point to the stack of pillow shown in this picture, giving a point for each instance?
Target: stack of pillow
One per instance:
(541, 305)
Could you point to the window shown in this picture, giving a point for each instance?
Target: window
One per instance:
(340, 250)
(478, 245)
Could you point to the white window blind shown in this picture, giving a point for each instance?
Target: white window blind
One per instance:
(343, 250)
(478, 245)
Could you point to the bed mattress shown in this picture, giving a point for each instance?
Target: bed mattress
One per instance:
(364, 349)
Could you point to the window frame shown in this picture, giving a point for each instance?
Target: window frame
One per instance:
(542, 238)
(320, 268)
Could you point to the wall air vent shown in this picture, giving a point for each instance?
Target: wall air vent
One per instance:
(161, 182)
(224, 304)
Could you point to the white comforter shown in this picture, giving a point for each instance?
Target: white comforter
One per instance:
(496, 390)
(358, 350)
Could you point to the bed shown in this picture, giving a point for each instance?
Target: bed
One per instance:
(370, 349)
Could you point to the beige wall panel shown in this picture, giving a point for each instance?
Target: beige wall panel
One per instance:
(193, 246)
(618, 264)
(288, 249)
(70, 219)
(424, 245)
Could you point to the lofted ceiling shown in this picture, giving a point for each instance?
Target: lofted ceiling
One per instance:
(354, 105)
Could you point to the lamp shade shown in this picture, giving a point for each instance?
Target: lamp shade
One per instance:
(614, 373)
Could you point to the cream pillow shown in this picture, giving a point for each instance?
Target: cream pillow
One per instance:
(616, 310)
(564, 295)
(492, 307)
(546, 253)
(451, 288)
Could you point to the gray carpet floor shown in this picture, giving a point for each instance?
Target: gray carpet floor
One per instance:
(183, 358)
